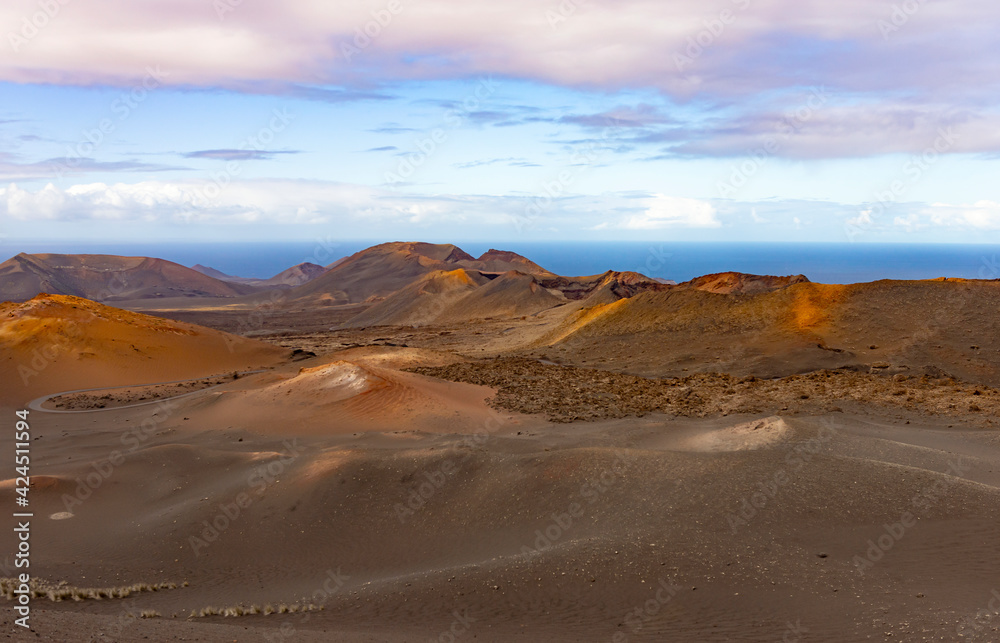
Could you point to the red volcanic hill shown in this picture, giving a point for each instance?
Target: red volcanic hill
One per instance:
(505, 261)
(295, 276)
(57, 342)
(603, 288)
(377, 272)
(740, 283)
(907, 327)
(107, 278)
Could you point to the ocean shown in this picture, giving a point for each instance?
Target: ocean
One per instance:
(820, 262)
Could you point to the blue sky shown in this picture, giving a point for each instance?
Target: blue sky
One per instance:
(730, 120)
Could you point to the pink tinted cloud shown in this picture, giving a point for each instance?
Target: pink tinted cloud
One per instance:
(838, 131)
(897, 70)
(740, 46)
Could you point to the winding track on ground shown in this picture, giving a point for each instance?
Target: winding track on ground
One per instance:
(36, 404)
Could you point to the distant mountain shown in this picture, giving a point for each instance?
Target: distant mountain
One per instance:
(294, 276)
(377, 272)
(402, 284)
(107, 278)
(366, 276)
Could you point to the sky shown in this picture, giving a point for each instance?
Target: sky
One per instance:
(684, 120)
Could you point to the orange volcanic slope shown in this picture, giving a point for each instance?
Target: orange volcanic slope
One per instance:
(512, 294)
(57, 342)
(465, 295)
(423, 301)
(682, 311)
(909, 325)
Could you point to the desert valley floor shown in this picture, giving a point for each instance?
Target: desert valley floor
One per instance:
(607, 459)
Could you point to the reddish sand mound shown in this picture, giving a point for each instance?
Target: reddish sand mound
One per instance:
(55, 342)
(396, 357)
(341, 396)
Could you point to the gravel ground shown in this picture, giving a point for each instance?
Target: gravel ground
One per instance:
(568, 394)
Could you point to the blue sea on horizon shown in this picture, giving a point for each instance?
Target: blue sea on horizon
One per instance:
(820, 262)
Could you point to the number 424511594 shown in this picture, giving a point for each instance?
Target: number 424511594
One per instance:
(22, 454)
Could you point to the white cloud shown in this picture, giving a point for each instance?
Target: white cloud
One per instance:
(260, 206)
(863, 220)
(981, 215)
(668, 211)
(910, 223)
(286, 202)
(355, 207)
